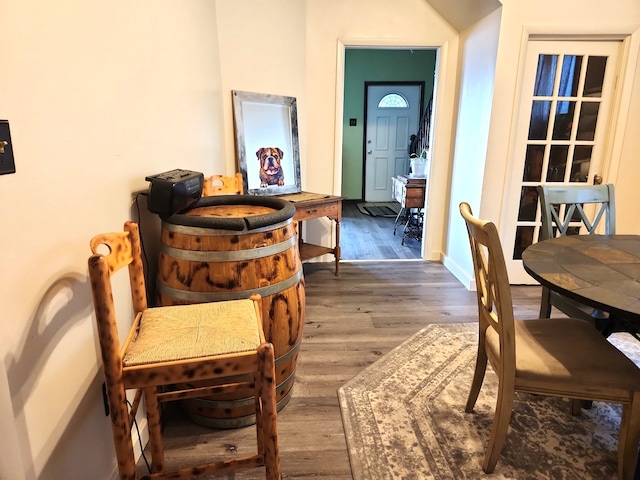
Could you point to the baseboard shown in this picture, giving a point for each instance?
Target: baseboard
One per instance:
(467, 279)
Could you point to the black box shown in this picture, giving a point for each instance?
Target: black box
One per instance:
(174, 191)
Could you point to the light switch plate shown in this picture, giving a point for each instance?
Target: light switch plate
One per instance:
(7, 164)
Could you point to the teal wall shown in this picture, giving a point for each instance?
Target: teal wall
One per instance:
(368, 65)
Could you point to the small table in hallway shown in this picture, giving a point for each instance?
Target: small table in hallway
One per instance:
(409, 191)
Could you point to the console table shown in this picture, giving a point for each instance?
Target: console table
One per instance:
(409, 192)
(316, 205)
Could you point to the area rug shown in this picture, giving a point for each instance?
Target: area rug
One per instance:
(379, 209)
(404, 418)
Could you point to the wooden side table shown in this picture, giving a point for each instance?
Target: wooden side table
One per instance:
(409, 191)
(316, 205)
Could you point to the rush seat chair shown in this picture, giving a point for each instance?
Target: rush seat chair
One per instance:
(562, 357)
(175, 345)
(223, 185)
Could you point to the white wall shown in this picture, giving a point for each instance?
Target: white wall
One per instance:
(98, 95)
(477, 75)
(263, 50)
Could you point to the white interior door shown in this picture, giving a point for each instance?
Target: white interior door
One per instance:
(393, 114)
(562, 129)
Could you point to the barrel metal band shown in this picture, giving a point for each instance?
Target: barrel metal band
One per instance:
(236, 422)
(239, 295)
(187, 230)
(228, 255)
(240, 402)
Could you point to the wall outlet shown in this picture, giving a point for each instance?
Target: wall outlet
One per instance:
(7, 165)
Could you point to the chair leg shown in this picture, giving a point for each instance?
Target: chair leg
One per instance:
(268, 416)
(629, 439)
(504, 406)
(576, 406)
(119, 415)
(155, 429)
(478, 374)
(545, 303)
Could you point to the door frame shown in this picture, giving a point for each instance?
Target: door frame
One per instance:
(409, 83)
(609, 162)
(441, 130)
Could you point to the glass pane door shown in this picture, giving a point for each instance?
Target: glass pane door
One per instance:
(562, 126)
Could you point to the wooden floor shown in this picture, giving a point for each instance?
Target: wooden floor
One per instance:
(351, 321)
(363, 237)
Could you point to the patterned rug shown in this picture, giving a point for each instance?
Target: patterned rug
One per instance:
(379, 209)
(404, 418)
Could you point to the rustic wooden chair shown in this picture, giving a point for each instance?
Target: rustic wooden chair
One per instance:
(564, 357)
(178, 345)
(223, 185)
(563, 213)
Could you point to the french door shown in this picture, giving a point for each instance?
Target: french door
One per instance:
(561, 132)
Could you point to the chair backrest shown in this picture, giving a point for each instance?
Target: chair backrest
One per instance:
(563, 208)
(223, 185)
(123, 249)
(495, 307)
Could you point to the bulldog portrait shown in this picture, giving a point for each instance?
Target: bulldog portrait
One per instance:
(270, 159)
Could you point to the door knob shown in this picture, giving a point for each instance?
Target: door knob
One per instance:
(597, 179)
(369, 152)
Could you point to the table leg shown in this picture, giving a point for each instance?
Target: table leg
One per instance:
(299, 228)
(336, 250)
(401, 218)
(413, 227)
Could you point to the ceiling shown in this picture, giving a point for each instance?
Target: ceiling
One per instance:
(461, 14)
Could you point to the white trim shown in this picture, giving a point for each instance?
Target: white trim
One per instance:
(467, 279)
(444, 88)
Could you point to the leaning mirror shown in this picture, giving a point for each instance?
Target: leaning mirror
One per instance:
(266, 129)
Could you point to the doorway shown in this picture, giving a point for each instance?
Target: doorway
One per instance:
(373, 65)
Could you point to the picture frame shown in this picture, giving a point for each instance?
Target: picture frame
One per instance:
(267, 146)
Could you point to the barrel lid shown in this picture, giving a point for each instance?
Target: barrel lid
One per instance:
(283, 211)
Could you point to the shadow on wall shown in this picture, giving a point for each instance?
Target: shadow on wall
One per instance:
(65, 305)
(80, 435)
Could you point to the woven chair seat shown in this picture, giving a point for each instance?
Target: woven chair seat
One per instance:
(179, 352)
(183, 332)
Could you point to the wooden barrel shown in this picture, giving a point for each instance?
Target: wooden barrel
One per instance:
(229, 247)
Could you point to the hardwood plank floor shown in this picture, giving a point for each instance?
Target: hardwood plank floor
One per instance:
(351, 321)
(363, 237)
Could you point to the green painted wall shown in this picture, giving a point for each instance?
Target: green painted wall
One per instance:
(369, 65)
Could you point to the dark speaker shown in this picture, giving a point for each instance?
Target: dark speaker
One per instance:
(174, 191)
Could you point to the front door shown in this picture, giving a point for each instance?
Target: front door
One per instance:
(561, 132)
(392, 116)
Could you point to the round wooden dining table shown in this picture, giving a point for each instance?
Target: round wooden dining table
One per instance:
(602, 271)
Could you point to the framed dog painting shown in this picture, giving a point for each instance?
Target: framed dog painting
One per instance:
(267, 143)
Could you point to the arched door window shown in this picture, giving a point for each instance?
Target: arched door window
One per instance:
(393, 100)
